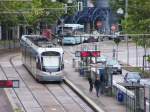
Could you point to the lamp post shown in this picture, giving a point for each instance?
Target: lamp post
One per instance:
(62, 30)
(70, 1)
(126, 16)
(120, 13)
(53, 0)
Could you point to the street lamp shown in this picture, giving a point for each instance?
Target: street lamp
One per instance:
(53, 0)
(62, 26)
(62, 29)
(126, 16)
(70, 1)
(120, 11)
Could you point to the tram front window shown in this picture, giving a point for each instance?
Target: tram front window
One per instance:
(51, 61)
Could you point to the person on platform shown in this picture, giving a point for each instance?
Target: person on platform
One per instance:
(90, 83)
(97, 85)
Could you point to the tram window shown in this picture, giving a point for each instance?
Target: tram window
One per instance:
(38, 63)
(51, 61)
(51, 53)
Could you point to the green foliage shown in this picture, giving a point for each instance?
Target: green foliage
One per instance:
(43, 10)
(144, 41)
(138, 20)
(30, 13)
(12, 18)
(148, 59)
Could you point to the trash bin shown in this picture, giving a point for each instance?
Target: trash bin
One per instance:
(73, 63)
(108, 90)
(120, 97)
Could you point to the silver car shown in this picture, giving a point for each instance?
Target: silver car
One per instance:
(132, 77)
(115, 65)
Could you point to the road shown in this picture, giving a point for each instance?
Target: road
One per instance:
(106, 48)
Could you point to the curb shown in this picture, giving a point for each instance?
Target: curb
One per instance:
(10, 99)
(94, 106)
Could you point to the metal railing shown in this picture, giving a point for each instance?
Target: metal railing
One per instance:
(128, 99)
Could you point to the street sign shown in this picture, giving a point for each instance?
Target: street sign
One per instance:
(98, 24)
(114, 27)
(9, 83)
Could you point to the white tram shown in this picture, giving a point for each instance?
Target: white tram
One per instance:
(43, 59)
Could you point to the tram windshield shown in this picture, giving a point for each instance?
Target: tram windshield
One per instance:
(51, 59)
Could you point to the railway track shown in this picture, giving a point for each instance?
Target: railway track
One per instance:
(33, 96)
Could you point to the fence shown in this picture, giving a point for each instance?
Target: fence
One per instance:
(133, 97)
(147, 98)
(9, 37)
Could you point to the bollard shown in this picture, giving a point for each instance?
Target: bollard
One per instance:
(73, 63)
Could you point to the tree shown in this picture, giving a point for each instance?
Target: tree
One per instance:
(10, 12)
(30, 13)
(138, 20)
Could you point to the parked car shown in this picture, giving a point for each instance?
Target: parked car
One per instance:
(70, 39)
(132, 77)
(116, 67)
(100, 59)
(116, 35)
(90, 39)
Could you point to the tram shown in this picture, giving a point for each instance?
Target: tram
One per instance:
(43, 59)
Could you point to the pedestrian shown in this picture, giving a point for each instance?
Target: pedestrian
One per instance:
(102, 84)
(90, 80)
(91, 84)
(97, 85)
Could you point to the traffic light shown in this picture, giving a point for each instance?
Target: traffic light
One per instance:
(87, 53)
(95, 53)
(80, 6)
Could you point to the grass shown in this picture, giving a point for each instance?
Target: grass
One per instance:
(18, 110)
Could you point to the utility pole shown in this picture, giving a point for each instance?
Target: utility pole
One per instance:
(126, 16)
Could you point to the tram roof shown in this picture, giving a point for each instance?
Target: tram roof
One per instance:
(41, 43)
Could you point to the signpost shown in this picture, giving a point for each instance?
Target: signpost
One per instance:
(99, 24)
